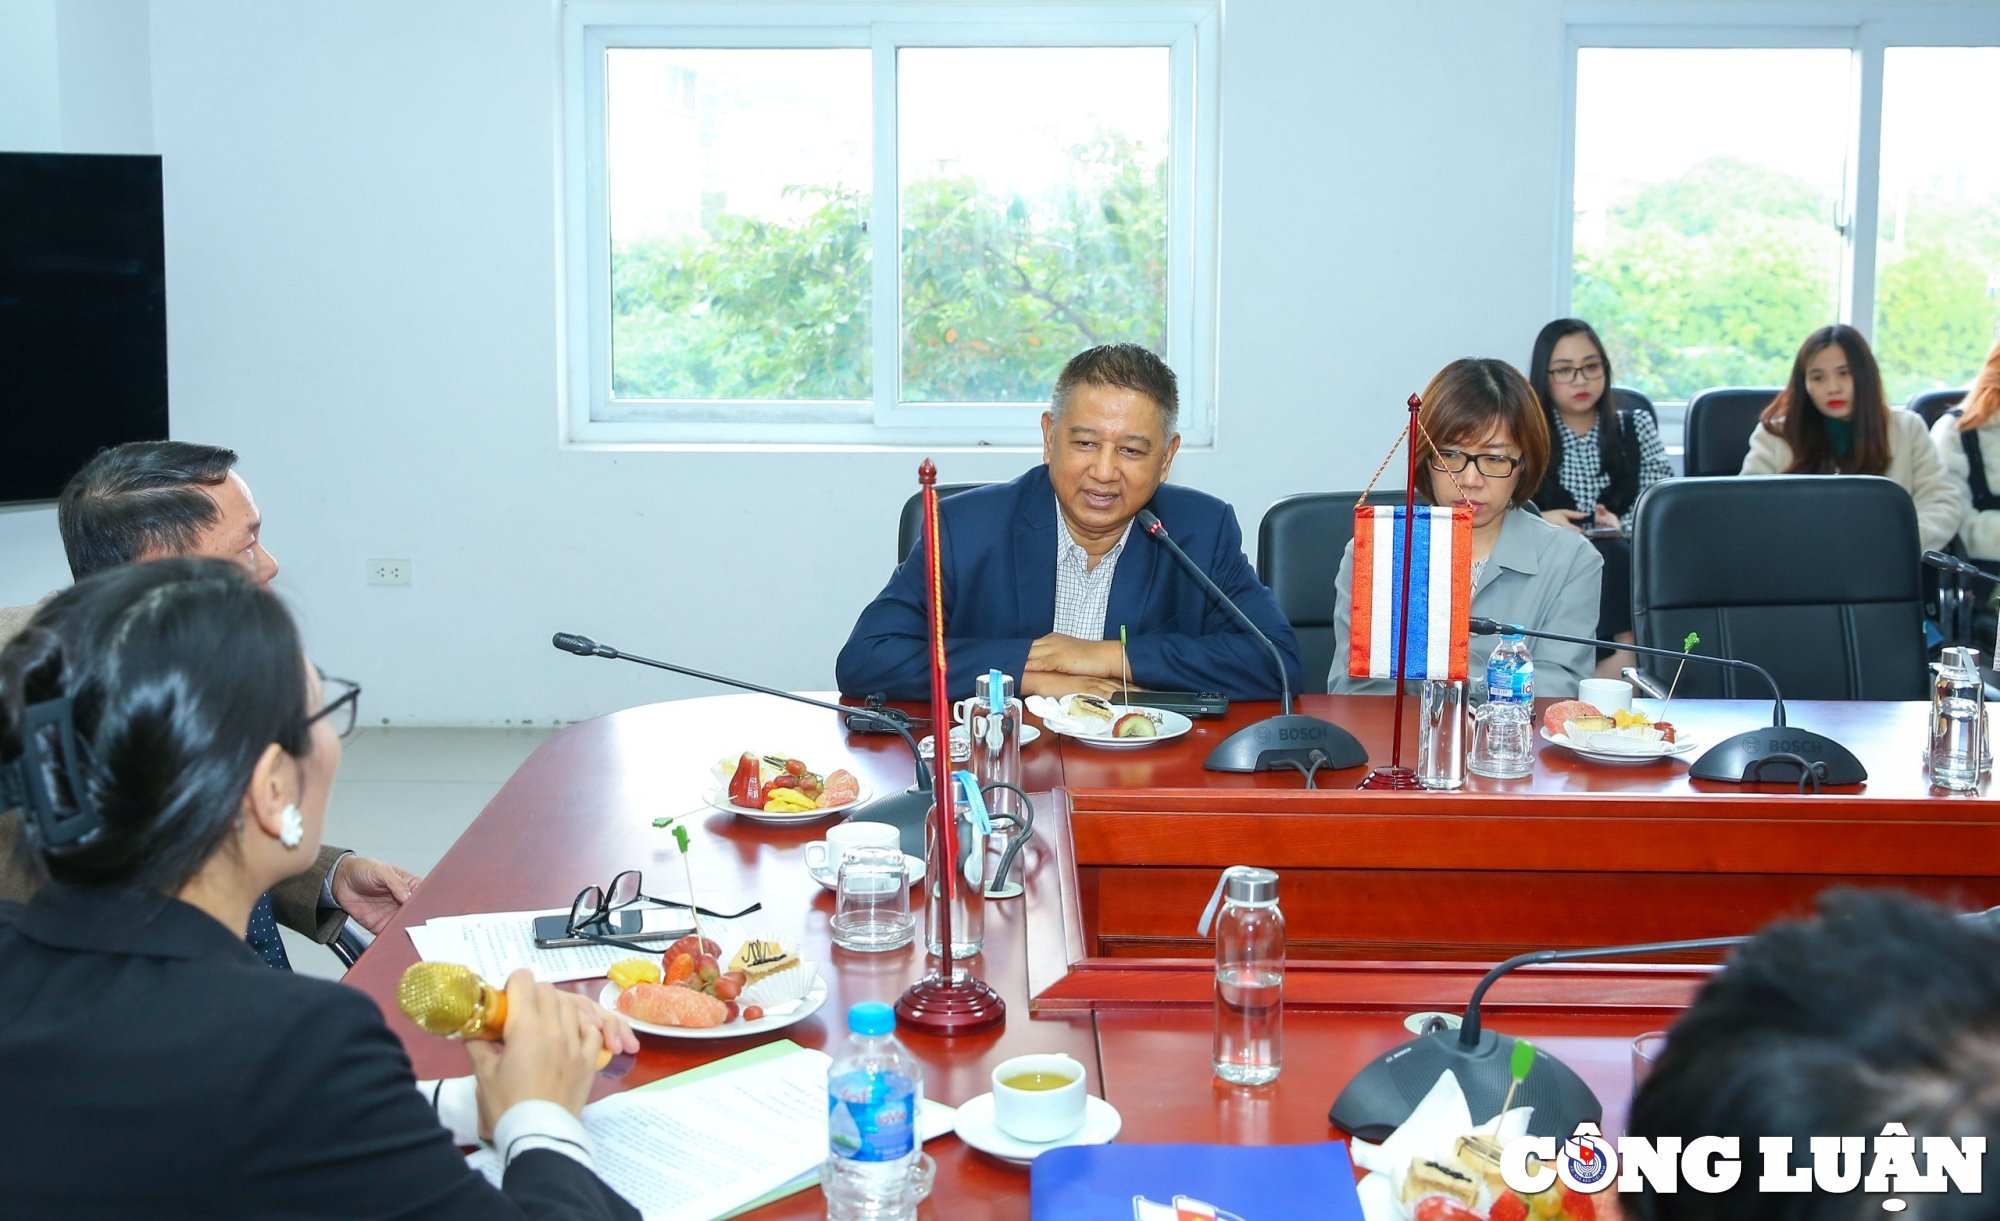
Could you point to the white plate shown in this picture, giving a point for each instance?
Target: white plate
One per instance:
(976, 1128)
(913, 865)
(1172, 725)
(960, 753)
(1660, 750)
(799, 1011)
(718, 797)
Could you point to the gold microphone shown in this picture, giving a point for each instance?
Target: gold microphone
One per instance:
(446, 998)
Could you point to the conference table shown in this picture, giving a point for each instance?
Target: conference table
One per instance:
(1396, 902)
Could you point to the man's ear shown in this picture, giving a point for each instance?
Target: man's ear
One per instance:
(273, 786)
(1173, 447)
(1048, 437)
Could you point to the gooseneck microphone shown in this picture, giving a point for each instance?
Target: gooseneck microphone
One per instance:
(1777, 753)
(1951, 563)
(906, 811)
(1282, 741)
(1382, 1095)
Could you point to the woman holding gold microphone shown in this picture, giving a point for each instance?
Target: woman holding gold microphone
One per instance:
(170, 750)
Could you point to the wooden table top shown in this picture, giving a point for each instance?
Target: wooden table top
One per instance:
(582, 807)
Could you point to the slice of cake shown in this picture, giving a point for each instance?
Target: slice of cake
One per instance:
(759, 958)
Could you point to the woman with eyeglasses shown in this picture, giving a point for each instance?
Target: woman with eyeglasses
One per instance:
(1604, 453)
(1833, 418)
(1484, 443)
(170, 750)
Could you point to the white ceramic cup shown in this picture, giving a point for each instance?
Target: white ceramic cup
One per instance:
(824, 855)
(1607, 695)
(1038, 1116)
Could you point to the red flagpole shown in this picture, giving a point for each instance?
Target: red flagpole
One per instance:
(941, 791)
(1396, 776)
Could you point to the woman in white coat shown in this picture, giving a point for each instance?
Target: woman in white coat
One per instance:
(1832, 418)
(1968, 440)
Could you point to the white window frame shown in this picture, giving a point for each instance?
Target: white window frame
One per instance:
(1865, 30)
(592, 419)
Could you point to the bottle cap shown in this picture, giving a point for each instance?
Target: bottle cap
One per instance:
(1512, 636)
(871, 1018)
(1961, 659)
(1242, 884)
(1248, 884)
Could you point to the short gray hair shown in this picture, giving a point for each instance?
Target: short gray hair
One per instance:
(1127, 366)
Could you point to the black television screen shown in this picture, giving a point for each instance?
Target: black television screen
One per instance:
(83, 314)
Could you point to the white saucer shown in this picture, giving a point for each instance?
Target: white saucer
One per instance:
(961, 746)
(976, 1128)
(913, 865)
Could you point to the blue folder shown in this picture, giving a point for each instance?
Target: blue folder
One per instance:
(1246, 1182)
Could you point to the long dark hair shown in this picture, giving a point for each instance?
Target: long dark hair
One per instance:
(1610, 454)
(1792, 415)
(180, 673)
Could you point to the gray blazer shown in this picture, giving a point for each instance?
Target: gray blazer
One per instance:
(1539, 575)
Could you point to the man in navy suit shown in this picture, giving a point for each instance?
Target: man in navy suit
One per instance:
(1041, 572)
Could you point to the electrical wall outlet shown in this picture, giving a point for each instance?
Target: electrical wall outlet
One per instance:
(388, 572)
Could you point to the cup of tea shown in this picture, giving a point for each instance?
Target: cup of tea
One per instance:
(823, 856)
(1038, 1098)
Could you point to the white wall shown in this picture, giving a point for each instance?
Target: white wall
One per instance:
(362, 258)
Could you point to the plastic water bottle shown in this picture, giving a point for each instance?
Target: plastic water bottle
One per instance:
(874, 1092)
(1249, 976)
(1502, 736)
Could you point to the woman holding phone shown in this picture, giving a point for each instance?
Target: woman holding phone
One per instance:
(170, 750)
(1603, 455)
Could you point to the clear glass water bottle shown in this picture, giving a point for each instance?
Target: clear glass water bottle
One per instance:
(1503, 744)
(1249, 975)
(874, 1092)
(1958, 719)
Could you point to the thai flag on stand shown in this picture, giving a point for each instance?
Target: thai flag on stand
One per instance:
(1440, 592)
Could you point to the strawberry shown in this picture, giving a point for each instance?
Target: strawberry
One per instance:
(1508, 1208)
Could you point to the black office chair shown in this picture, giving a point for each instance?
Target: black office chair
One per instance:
(1931, 405)
(911, 523)
(350, 943)
(1632, 398)
(1719, 424)
(1813, 577)
(1299, 544)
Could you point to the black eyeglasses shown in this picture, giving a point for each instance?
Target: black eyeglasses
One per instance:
(590, 914)
(340, 711)
(1493, 466)
(1589, 371)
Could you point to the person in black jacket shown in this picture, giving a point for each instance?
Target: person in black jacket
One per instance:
(171, 752)
(1603, 454)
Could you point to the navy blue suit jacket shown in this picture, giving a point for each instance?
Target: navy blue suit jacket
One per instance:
(999, 547)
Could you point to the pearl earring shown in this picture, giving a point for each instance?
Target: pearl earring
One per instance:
(292, 832)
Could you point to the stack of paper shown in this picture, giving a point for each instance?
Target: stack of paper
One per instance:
(497, 944)
(718, 1139)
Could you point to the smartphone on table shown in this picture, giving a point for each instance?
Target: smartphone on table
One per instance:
(626, 924)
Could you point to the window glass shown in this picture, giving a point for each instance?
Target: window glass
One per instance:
(1937, 268)
(1033, 188)
(1708, 191)
(738, 189)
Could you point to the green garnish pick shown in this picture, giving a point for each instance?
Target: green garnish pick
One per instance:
(1693, 639)
(1518, 1065)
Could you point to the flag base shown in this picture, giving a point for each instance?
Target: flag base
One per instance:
(948, 1006)
(1399, 779)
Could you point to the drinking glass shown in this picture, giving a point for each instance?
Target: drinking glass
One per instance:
(871, 902)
